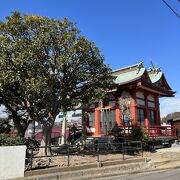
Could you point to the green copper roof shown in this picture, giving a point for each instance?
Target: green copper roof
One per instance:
(152, 76)
(129, 74)
(155, 75)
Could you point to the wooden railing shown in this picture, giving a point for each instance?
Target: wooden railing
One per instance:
(152, 131)
(159, 131)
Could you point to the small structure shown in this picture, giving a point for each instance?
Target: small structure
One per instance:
(135, 100)
(175, 123)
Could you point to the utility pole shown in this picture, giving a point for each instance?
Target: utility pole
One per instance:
(64, 124)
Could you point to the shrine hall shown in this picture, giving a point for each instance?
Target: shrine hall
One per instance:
(135, 100)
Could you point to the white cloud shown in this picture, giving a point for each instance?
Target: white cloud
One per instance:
(169, 105)
(3, 114)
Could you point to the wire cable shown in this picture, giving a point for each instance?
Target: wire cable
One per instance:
(171, 8)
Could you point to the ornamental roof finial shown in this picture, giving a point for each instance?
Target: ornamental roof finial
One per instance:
(155, 68)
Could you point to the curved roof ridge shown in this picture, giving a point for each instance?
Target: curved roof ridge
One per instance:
(140, 64)
(156, 69)
(129, 74)
(151, 78)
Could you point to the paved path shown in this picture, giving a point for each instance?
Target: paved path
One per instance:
(165, 158)
(170, 174)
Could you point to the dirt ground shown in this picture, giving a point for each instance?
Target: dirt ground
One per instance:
(161, 158)
(80, 159)
(75, 160)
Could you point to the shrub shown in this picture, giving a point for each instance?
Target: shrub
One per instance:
(6, 140)
(116, 130)
(138, 133)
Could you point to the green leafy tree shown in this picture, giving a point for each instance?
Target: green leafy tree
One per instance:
(48, 67)
(5, 126)
(15, 112)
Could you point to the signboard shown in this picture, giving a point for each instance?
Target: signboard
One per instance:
(12, 161)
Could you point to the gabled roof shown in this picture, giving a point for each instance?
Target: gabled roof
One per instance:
(129, 74)
(157, 77)
(153, 78)
(155, 74)
(176, 119)
(173, 120)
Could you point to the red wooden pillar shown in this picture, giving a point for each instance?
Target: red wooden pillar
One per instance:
(97, 123)
(158, 119)
(146, 120)
(118, 114)
(133, 109)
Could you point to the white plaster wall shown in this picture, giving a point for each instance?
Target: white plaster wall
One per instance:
(12, 161)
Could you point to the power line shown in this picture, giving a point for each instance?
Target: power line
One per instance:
(171, 8)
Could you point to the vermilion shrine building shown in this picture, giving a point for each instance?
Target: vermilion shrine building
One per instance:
(134, 101)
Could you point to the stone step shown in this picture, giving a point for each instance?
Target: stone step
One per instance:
(93, 173)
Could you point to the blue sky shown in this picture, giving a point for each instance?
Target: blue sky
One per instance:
(125, 31)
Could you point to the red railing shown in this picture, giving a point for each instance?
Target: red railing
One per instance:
(152, 131)
(161, 131)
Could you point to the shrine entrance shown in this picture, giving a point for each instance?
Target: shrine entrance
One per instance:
(107, 120)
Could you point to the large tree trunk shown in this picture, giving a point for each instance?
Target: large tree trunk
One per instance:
(21, 128)
(21, 131)
(20, 124)
(46, 139)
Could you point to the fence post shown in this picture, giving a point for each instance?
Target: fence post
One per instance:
(141, 149)
(68, 155)
(98, 153)
(31, 161)
(123, 150)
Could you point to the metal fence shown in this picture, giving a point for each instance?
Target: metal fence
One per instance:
(89, 153)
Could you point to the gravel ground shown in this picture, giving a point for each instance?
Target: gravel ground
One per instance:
(162, 158)
(78, 159)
